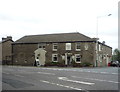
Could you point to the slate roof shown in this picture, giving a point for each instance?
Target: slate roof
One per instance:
(61, 37)
(6, 40)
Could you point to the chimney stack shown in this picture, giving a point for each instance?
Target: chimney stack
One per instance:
(8, 38)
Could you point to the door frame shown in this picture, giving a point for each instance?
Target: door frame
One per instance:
(66, 58)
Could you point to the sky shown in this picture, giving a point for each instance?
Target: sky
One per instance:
(32, 17)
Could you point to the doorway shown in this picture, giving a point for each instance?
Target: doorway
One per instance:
(68, 59)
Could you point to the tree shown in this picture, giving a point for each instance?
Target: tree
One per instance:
(116, 55)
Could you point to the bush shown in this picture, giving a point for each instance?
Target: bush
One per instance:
(74, 64)
(51, 64)
(86, 64)
(82, 64)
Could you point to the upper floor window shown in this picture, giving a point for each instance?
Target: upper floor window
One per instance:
(55, 47)
(86, 46)
(41, 46)
(100, 47)
(68, 46)
(55, 57)
(78, 47)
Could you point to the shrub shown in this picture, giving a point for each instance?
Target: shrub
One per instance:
(51, 64)
(82, 64)
(86, 64)
(74, 64)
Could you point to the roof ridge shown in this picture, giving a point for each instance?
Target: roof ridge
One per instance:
(52, 34)
(85, 35)
(56, 37)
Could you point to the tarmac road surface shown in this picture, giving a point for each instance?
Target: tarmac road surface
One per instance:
(56, 78)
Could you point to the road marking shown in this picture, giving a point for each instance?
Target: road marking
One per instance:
(95, 79)
(60, 85)
(81, 82)
(114, 73)
(82, 70)
(46, 73)
(44, 81)
(104, 72)
(19, 75)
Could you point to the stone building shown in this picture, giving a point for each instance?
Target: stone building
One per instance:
(63, 47)
(6, 50)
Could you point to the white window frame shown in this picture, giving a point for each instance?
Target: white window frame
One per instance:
(78, 49)
(54, 55)
(86, 46)
(76, 58)
(55, 44)
(100, 57)
(68, 46)
(100, 47)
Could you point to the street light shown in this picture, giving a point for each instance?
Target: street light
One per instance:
(97, 59)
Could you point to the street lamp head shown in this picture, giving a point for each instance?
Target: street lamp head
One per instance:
(109, 14)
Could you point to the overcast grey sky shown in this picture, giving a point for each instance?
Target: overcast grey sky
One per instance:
(31, 17)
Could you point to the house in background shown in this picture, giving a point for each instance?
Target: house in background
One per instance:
(63, 48)
(6, 50)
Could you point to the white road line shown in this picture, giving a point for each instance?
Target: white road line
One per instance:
(60, 85)
(95, 79)
(81, 82)
(46, 73)
(104, 72)
(44, 81)
(114, 73)
(56, 69)
(19, 75)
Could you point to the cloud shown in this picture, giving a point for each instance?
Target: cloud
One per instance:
(24, 17)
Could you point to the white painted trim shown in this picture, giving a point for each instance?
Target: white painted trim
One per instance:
(53, 56)
(55, 44)
(65, 58)
(75, 58)
(76, 47)
(68, 45)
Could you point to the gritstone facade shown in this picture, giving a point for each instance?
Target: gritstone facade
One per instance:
(64, 48)
(6, 50)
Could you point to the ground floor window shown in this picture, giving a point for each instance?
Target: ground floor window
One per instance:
(55, 57)
(77, 58)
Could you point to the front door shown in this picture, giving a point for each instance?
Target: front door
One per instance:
(68, 59)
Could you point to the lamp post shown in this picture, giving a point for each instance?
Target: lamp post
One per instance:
(97, 54)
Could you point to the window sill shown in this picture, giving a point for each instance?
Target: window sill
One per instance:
(54, 61)
(54, 49)
(78, 49)
(77, 61)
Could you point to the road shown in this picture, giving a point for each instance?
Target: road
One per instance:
(44, 78)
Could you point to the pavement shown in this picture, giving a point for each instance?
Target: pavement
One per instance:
(59, 78)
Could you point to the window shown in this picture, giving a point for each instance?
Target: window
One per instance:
(41, 46)
(54, 57)
(77, 58)
(100, 47)
(100, 57)
(86, 46)
(68, 46)
(55, 47)
(78, 47)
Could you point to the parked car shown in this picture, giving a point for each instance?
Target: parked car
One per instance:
(115, 64)
(109, 64)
